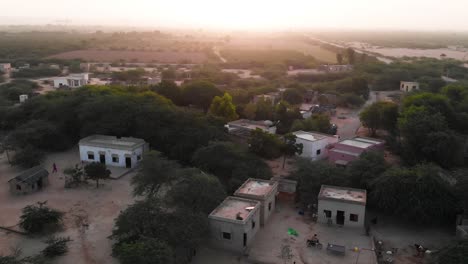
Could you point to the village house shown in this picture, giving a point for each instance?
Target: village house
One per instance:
(349, 150)
(408, 86)
(71, 81)
(234, 223)
(243, 127)
(273, 97)
(113, 151)
(336, 68)
(341, 206)
(263, 191)
(314, 145)
(31, 180)
(5, 67)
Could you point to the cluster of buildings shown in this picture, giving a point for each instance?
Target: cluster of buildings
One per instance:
(71, 81)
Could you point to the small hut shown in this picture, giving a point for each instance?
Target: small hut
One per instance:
(31, 180)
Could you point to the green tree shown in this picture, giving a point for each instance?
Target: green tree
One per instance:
(200, 93)
(264, 110)
(290, 147)
(39, 218)
(41, 134)
(312, 175)
(380, 115)
(339, 58)
(286, 117)
(197, 191)
(170, 90)
(316, 122)
(231, 163)
(265, 144)
(144, 251)
(223, 107)
(363, 171)
(292, 96)
(27, 157)
(56, 246)
(97, 171)
(418, 194)
(351, 56)
(155, 171)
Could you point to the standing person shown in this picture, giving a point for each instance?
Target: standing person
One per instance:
(54, 168)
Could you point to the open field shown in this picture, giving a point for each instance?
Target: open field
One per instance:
(133, 56)
(89, 212)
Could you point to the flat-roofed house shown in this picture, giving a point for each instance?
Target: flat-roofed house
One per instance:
(243, 127)
(342, 206)
(349, 150)
(112, 151)
(408, 86)
(5, 67)
(234, 223)
(314, 145)
(71, 81)
(31, 180)
(263, 191)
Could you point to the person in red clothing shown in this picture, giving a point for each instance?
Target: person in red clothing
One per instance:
(54, 168)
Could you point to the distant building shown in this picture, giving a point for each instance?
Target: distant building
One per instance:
(273, 97)
(263, 191)
(5, 67)
(154, 80)
(112, 151)
(243, 127)
(336, 68)
(234, 223)
(315, 145)
(342, 206)
(23, 98)
(54, 66)
(71, 81)
(408, 86)
(349, 150)
(31, 180)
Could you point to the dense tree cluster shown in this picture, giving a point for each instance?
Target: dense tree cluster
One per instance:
(380, 115)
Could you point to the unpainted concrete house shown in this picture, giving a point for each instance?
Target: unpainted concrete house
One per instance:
(263, 191)
(342, 206)
(408, 86)
(31, 180)
(112, 151)
(234, 223)
(349, 150)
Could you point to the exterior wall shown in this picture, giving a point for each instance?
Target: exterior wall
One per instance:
(333, 156)
(26, 188)
(348, 208)
(5, 67)
(310, 148)
(59, 82)
(266, 213)
(121, 153)
(409, 86)
(237, 230)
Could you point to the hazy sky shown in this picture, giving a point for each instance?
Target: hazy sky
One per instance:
(245, 14)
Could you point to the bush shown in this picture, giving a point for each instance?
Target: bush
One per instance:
(27, 157)
(56, 246)
(38, 218)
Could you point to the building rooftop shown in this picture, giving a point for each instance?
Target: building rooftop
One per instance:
(310, 136)
(235, 209)
(344, 194)
(256, 187)
(32, 175)
(356, 143)
(125, 143)
(345, 152)
(251, 124)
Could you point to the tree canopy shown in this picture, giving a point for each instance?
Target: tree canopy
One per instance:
(97, 171)
(200, 93)
(380, 115)
(223, 107)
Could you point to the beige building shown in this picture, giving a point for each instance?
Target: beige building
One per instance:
(234, 223)
(31, 180)
(408, 86)
(263, 191)
(341, 206)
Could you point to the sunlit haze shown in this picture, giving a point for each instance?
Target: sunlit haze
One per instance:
(244, 14)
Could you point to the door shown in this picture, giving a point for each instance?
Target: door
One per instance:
(128, 162)
(102, 158)
(340, 217)
(39, 183)
(245, 239)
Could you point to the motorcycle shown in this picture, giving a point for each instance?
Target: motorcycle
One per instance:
(312, 243)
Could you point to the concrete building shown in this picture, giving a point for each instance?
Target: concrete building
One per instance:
(31, 180)
(408, 86)
(243, 127)
(349, 150)
(112, 151)
(315, 146)
(5, 67)
(263, 191)
(336, 68)
(71, 81)
(273, 97)
(234, 223)
(342, 206)
(23, 98)
(153, 80)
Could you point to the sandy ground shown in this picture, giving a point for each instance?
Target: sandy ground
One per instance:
(96, 208)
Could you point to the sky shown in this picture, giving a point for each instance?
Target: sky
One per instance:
(244, 14)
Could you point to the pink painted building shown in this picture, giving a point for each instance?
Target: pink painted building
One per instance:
(349, 150)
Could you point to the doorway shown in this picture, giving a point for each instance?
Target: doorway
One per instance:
(340, 217)
(39, 184)
(102, 158)
(128, 162)
(245, 239)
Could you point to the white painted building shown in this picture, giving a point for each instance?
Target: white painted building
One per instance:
(234, 223)
(408, 86)
(342, 206)
(112, 151)
(23, 98)
(71, 81)
(263, 191)
(245, 126)
(5, 67)
(314, 144)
